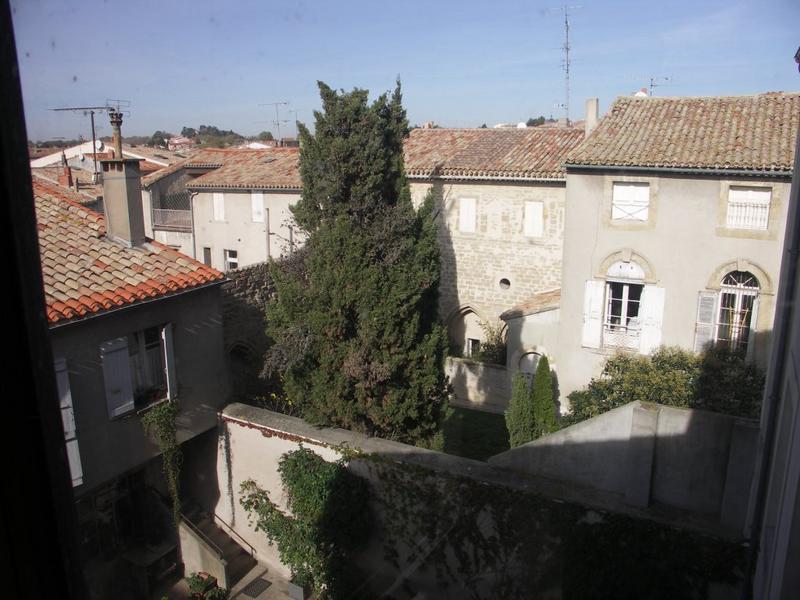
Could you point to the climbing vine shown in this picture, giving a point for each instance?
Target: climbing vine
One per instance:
(485, 541)
(159, 422)
(330, 520)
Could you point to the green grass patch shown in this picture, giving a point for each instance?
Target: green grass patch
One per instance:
(475, 434)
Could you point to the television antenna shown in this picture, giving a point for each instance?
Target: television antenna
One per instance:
(656, 82)
(566, 63)
(277, 122)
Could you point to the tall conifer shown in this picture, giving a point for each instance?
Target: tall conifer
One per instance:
(354, 317)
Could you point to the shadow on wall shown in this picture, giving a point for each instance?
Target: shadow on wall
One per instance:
(455, 528)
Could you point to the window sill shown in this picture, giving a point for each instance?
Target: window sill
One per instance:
(144, 409)
(752, 234)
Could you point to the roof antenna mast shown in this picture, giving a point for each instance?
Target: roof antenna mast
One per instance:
(565, 65)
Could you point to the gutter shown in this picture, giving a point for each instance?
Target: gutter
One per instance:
(486, 178)
(117, 309)
(684, 170)
(213, 188)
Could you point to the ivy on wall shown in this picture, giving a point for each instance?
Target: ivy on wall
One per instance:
(159, 421)
(329, 520)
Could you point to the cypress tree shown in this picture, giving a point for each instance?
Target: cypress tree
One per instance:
(519, 415)
(354, 316)
(544, 408)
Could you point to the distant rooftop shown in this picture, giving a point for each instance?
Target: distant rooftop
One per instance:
(747, 133)
(531, 153)
(270, 168)
(85, 273)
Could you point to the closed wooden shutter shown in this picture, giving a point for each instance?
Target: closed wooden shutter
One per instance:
(705, 323)
(651, 315)
(169, 361)
(466, 215)
(219, 206)
(117, 376)
(534, 219)
(68, 420)
(593, 313)
(257, 206)
(751, 335)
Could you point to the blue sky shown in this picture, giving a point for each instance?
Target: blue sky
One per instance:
(461, 63)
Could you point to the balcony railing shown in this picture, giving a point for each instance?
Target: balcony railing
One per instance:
(172, 219)
(615, 336)
(745, 215)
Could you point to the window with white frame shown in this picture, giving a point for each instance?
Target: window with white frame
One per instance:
(466, 215)
(138, 369)
(630, 201)
(231, 259)
(257, 206)
(534, 219)
(218, 200)
(748, 207)
(728, 318)
(622, 311)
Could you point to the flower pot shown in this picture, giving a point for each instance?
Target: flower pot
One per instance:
(298, 592)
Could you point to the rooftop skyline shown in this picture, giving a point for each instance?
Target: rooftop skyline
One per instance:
(461, 64)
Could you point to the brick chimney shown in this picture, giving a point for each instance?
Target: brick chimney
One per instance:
(122, 192)
(65, 177)
(592, 115)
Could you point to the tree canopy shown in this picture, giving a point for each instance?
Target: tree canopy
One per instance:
(354, 317)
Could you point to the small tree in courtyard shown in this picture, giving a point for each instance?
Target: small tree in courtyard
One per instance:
(544, 407)
(354, 317)
(519, 415)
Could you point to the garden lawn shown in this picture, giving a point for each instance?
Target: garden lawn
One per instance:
(475, 434)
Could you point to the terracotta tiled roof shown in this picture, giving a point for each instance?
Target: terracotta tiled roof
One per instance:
(85, 273)
(518, 154)
(89, 192)
(270, 168)
(207, 158)
(541, 302)
(735, 132)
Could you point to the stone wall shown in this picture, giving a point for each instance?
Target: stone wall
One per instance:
(478, 385)
(244, 301)
(474, 263)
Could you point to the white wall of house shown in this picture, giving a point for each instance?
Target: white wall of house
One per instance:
(238, 227)
(496, 231)
(683, 245)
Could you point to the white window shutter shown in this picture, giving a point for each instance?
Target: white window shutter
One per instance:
(65, 398)
(593, 313)
(117, 376)
(68, 420)
(705, 324)
(534, 219)
(219, 206)
(257, 206)
(466, 215)
(75, 467)
(751, 335)
(651, 315)
(169, 361)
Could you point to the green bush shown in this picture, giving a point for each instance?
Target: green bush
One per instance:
(717, 380)
(493, 348)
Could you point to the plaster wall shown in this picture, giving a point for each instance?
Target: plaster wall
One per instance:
(238, 231)
(111, 447)
(685, 245)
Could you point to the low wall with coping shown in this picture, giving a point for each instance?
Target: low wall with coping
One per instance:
(452, 513)
(478, 384)
(693, 460)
